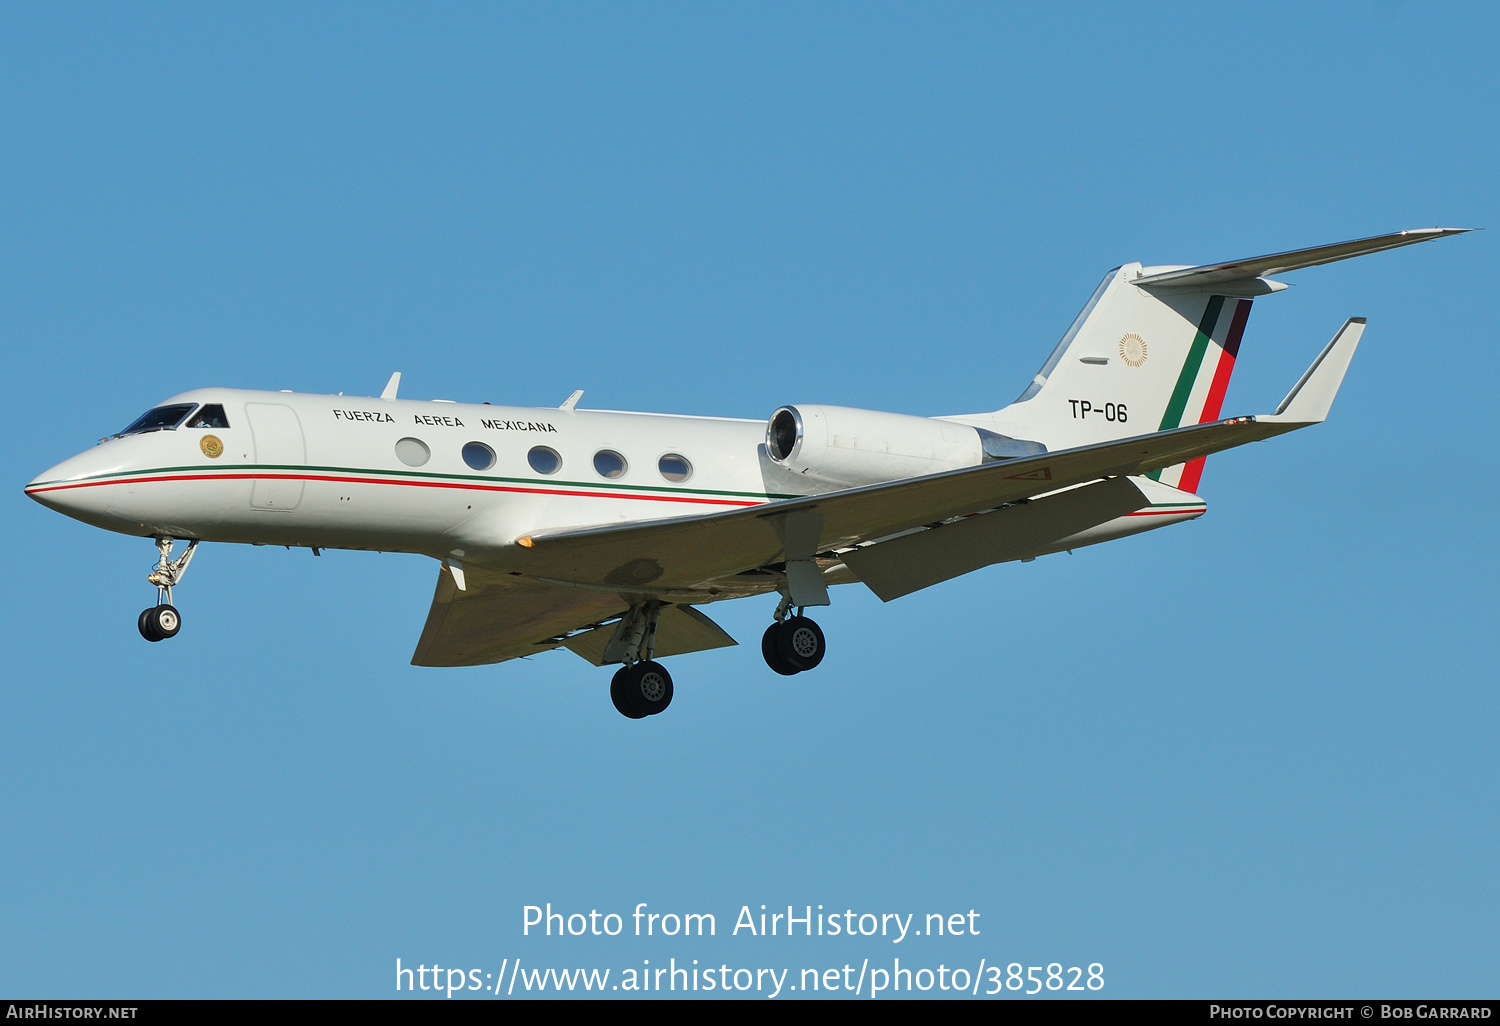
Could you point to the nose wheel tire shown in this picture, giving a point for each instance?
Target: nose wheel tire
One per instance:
(159, 622)
(641, 689)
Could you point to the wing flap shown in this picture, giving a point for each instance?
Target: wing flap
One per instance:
(912, 562)
(679, 630)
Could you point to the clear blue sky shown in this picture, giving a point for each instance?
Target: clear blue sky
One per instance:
(1251, 755)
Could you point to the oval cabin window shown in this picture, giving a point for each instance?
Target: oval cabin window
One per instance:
(674, 468)
(413, 452)
(479, 456)
(544, 460)
(610, 464)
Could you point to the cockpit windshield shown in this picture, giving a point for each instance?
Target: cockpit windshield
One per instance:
(163, 418)
(211, 416)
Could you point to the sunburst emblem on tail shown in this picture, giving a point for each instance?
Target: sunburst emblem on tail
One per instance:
(1133, 350)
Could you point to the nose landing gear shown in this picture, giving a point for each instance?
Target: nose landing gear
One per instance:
(162, 620)
(793, 643)
(159, 623)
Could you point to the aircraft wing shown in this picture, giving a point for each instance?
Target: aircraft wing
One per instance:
(697, 552)
(567, 584)
(705, 552)
(498, 616)
(571, 582)
(560, 587)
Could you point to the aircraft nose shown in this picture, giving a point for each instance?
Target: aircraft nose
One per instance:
(68, 487)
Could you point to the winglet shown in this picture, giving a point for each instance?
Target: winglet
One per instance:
(1311, 397)
(391, 386)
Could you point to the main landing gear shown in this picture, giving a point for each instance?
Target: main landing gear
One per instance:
(642, 687)
(793, 643)
(162, 620)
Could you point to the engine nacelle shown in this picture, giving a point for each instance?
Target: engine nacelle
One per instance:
(840, 446)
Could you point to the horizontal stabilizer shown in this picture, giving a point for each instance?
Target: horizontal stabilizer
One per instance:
(1276, 263)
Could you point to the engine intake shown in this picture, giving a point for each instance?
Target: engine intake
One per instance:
(783, 433)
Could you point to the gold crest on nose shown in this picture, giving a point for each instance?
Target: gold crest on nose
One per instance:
(211, 446)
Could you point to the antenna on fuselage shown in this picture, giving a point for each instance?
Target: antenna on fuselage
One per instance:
(571, 401)
(391, 386)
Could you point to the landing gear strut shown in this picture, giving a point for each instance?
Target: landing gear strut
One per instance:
(792, 643)
(642, 687)
(162, 620)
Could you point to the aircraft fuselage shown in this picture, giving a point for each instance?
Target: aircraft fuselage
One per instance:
(392, 475)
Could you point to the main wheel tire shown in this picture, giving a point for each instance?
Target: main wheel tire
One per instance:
(143, 623)
(165, 621)
(647, 687)
(770, 647)
(801, 643)
(618, 696)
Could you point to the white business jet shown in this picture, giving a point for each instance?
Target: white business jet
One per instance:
(605, 532)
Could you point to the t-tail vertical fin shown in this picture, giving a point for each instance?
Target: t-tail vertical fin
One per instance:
(1136, 360)
(1154, 348)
